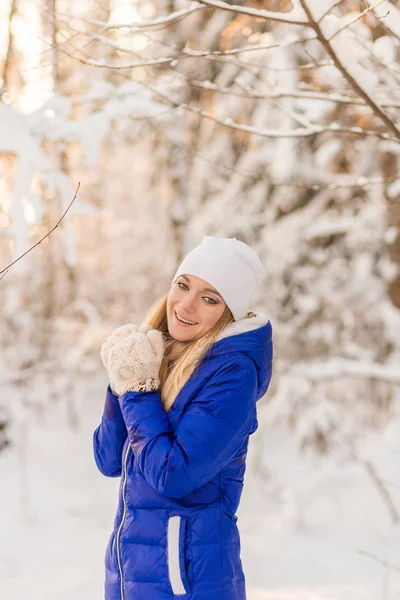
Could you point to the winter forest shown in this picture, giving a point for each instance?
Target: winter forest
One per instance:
(274, 121)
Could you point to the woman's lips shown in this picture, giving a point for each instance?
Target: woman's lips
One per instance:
(181, 323)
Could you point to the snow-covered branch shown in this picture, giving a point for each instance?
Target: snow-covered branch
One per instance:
(187, 52)
(340, 367)
(329, 10)
(170, 19)
(355, 19)
(354, 81)
(296, 15)
(318, 96)
(300, 132)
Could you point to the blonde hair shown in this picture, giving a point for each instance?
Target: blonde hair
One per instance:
(180, 358)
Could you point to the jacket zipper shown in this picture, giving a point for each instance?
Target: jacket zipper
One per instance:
(122, 523)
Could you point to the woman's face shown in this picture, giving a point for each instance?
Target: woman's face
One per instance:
(194, 300)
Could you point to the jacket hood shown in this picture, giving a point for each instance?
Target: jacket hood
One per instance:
(251, 336)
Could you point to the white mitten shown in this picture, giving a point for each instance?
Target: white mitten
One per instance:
(134, 361)
(122, 332)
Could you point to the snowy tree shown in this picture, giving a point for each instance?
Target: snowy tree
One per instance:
(274, 122)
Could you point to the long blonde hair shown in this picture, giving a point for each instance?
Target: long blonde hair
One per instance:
(180, 358)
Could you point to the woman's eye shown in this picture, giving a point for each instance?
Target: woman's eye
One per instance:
(212, 301)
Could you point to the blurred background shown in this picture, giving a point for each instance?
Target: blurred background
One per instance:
(276, 122)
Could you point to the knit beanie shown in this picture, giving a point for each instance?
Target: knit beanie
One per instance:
(230, 266)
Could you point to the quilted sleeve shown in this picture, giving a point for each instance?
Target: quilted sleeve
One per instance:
(109, 437)
(208, 435)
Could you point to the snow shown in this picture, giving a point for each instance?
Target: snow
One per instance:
(155, 178)
(318, 9)
(311, 527)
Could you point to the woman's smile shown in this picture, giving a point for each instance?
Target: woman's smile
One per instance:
(182, 322)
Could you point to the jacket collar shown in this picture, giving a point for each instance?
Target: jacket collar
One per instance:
(251, 321)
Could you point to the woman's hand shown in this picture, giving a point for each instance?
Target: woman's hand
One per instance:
(133, 356)
(115, 337)
(119, 334)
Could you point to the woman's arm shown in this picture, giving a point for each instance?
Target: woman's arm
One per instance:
(109, 437)
(208, 435)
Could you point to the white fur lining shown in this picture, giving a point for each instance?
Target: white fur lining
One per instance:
(174, 525)
(248, 323)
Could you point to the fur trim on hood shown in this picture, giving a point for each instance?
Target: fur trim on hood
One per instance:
(251, 321)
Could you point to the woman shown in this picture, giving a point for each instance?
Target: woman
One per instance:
(180, 407)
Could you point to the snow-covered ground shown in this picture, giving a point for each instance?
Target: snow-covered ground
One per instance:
(316, 529)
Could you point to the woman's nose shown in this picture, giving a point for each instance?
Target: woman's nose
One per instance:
(189, 305)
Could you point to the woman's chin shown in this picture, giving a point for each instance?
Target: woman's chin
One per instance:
(181, 334)
(178, 332)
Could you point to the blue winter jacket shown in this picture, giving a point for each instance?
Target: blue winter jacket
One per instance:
(175, 532)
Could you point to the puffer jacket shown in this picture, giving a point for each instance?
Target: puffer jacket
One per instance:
(182, 471)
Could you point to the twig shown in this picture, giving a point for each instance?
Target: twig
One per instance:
(4, 271)
(382, 562)
(376, 480)
(380, 486)
(330, 9)
(387, 23)
(356, 18)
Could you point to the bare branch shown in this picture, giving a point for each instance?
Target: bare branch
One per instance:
(4, 271)
(377, 481)
(382, 562)
(381, 487)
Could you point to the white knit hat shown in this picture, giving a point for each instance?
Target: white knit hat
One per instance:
(231, 266)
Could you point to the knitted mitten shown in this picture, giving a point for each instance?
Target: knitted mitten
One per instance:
(134, 361)
(122, 332)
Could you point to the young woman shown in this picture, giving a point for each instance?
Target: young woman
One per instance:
(179, 410)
